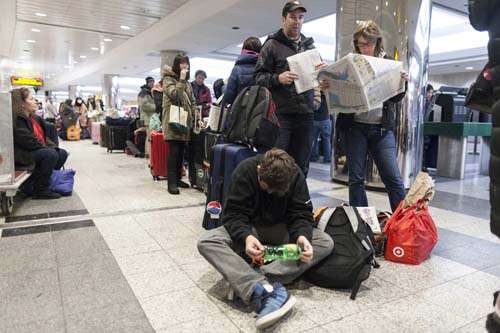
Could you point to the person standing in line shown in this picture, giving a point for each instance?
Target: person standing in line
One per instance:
(50, 113)
(147, 108)
(323, 130)
(179, 107)
(294, 110)
(373, 131)
(202, 92)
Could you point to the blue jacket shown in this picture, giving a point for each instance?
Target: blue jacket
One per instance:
(241, 77)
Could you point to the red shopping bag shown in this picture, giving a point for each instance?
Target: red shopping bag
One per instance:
(411, 234)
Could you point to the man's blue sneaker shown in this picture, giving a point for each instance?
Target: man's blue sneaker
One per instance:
(271, 303)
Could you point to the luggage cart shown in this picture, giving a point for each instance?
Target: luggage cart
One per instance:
(8, 191)
(10, 179)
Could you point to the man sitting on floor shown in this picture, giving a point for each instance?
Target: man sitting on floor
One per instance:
(268, 203)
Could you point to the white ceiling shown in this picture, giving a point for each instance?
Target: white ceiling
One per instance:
(201, 27)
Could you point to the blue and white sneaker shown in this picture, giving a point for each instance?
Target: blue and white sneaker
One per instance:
(272, 302)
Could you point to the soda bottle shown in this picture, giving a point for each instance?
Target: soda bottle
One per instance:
(282, 252)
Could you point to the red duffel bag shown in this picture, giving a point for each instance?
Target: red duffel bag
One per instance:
(411, 234)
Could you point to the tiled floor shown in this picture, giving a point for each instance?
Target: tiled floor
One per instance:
(135, 267)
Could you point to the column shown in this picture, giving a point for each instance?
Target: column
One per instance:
(110, 88)
(167, 57)
(6, 135)
(72, 92)
(406, 30)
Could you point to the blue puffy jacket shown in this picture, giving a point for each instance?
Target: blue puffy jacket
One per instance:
(241, 76)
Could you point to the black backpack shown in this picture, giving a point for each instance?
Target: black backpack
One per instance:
(253, 119)
(352, 258)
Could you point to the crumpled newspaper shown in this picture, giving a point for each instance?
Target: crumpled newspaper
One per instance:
(422, 189)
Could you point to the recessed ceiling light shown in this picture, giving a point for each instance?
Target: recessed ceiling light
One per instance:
(35, 30)
(107, 40)
(83, 57)
(75, 62)
(31, 41)
(469, 68)
(125, 27)
(41, 14)
(94, 48)
(67, 66)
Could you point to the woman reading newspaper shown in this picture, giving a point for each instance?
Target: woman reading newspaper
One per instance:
(372, 131)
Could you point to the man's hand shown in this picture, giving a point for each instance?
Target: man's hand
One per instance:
(307, 249)
(405, 76)
(253, 248)
(287, 78)
(320, 65)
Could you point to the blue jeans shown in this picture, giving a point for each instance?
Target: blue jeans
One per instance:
(295, 137)
(322, 129)
(362, 139)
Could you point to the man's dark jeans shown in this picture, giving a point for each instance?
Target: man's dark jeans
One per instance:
(46, 160)
(296, 135)
(322, 129)
(362, 139)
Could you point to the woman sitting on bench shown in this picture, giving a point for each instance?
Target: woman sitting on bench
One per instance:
(33, 148)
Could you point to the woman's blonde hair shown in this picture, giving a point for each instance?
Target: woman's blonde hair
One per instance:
(370, 31)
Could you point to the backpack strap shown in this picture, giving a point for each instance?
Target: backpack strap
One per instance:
(325, 218)
(254, 94)
(355, 219)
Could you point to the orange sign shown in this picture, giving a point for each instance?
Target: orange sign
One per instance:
(26, 81)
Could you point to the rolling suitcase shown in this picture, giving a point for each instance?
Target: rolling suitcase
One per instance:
(158, 157)
(117, 138)
(225, 158)
(198, 174)
(73, 133)
(95, 132)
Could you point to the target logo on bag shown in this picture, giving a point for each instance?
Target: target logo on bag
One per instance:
(398, 252)
(214, 208)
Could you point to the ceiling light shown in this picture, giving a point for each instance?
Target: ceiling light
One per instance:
(107, 40)
(125, 27)
(75, 62)
(35, 30)
(83, 57)
(67, 66)
(94, 48)
(31, 41)
(469, 68)
(40, 14)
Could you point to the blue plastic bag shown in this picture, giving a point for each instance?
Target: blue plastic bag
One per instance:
(62, 181)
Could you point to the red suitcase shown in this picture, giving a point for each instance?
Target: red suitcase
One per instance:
(158, 156)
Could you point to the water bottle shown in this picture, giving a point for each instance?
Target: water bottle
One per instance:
(282, 252)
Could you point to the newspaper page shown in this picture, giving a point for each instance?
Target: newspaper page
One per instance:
(369, 215)
(304, 65)
(360, 83)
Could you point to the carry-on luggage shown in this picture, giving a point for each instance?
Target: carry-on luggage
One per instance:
(73, 133)
(103, 140)
(353, 255)
(51, 132)
(118, 121)
(225, 158)
(117, 138)
(198, 175)
(95, 132)
(158, 156)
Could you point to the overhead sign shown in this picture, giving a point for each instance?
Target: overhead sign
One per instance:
(26, 81)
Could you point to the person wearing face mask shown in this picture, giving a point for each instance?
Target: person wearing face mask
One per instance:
(268, 203)
(32, 147)
(83, 119)
(295, 111)
(179, 107)
(373, 131)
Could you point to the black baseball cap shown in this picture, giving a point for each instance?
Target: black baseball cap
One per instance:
(290, 6)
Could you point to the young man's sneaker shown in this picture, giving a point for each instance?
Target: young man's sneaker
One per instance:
(45, 195)
(272, 302)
